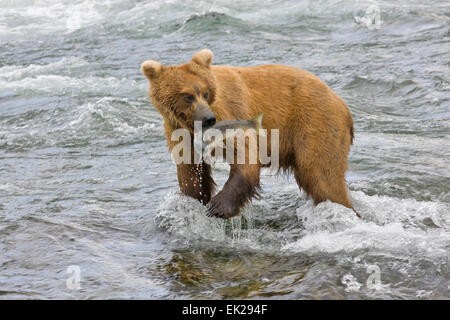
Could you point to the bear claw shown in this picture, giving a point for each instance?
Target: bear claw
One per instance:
(217, 208)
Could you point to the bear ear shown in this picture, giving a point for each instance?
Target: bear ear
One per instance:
(203, 58)
(151, 69)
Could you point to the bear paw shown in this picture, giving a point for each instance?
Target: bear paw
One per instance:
(220, 207)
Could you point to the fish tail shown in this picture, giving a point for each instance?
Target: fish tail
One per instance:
(257, 121)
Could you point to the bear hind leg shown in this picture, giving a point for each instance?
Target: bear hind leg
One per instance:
(321, 189)
(338, 193)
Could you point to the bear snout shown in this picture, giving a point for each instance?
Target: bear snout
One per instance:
(204, 114)
(208, 122)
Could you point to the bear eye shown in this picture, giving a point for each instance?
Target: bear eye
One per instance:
(189, 98)
(205, 96)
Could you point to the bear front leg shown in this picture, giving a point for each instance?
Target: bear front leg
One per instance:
(241, 186)
(195, 180)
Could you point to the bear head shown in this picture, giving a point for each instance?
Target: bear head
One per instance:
(183, 94)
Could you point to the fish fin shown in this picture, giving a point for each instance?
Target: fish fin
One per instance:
(257, 120)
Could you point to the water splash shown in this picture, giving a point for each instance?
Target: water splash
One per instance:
(389, 226)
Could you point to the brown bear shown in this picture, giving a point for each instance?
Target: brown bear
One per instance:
(315, 126)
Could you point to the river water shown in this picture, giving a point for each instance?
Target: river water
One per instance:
(87, 184)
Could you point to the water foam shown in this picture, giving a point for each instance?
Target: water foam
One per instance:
(114, 120)
(403, 227)
(17, 72)
(49, 16)
(63, 85)
(388, 224)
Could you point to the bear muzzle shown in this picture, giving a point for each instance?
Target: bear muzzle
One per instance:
(204, 114)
